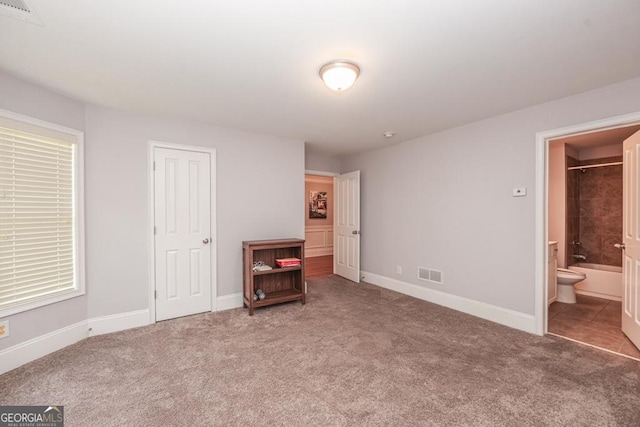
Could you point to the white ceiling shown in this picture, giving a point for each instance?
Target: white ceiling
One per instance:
(426, 65)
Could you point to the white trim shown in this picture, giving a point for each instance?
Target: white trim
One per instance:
(117, 322)
(541, 211)
(79, 211)
(28, 351)
(541, 238)
(320, 173)
(504, 316)
(42, 123)
(150, 209)
(35, 348)
(227, 302)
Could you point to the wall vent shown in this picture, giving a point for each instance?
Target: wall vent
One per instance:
(430, 275)
(16, 4)
(19, 9)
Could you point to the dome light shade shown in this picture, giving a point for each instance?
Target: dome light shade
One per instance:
(339, 75)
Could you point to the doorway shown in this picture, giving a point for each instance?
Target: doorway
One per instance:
(334, 200)
(183, 245)
(590, 154)
(319, 214)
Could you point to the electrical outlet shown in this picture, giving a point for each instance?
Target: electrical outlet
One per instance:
(4, 329)
(399, 269)
(519, 192)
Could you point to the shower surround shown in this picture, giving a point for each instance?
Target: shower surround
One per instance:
(594, 211)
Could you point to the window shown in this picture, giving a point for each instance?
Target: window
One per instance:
(41, 232)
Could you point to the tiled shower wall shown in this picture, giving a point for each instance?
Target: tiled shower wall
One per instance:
(594, 211)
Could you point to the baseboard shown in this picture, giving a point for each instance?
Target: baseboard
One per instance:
(227, 302)
(118, 322)
(598, 295)
(504, 316)
(28, 351)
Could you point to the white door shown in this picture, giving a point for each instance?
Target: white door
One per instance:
(346, 242)
(631, 231)
(182, 219)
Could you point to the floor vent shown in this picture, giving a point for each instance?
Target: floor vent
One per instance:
(429, 275)
(20, 9)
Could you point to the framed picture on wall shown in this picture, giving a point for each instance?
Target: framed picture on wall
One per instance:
(317, 205)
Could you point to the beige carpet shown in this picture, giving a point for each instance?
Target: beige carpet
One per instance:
(354, 355)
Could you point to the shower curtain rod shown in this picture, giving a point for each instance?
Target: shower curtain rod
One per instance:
(594, 166)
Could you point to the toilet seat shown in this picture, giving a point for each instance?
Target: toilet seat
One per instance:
(570, 273)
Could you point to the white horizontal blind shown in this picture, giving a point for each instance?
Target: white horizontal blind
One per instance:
(37, 230)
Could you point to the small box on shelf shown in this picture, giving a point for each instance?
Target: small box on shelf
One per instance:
(288, 262)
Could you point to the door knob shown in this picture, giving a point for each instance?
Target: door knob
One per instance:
(355, 232)
(619, 245)
(205, 241)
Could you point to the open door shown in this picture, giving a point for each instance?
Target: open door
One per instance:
(346, 242)
(631, 246)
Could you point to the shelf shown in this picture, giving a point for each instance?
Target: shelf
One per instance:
(279, 296)
(280, 284)
(276, 270)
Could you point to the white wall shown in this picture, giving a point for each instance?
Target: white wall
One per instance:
(260, 195)
(21, 97)
(321, 162)
(260, 190)
(444, 201)
(558, 199)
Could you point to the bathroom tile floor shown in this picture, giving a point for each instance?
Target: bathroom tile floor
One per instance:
(594, 321)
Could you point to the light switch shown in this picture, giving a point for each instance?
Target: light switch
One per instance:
(519, 192)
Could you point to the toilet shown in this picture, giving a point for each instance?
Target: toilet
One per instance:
(566, 280)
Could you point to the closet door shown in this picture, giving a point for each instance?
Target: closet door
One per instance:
(183, 232)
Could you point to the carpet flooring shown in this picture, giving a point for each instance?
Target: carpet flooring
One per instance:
(354, 355)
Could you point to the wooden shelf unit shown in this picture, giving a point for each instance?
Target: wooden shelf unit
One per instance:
(279, 284)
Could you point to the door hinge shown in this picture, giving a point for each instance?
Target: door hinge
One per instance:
(154, 165)
(154, 230)
(155, 294)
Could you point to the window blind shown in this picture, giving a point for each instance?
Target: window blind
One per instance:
(37, 229)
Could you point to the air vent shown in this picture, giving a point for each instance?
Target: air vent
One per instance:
(430, 275)
(16, 4)
(20, 9)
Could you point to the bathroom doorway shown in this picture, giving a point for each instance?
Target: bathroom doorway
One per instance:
(584, 216)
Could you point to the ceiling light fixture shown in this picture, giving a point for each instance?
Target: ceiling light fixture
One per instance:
(339, 75)
(389, 135)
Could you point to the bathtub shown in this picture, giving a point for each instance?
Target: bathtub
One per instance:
(603, 281)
